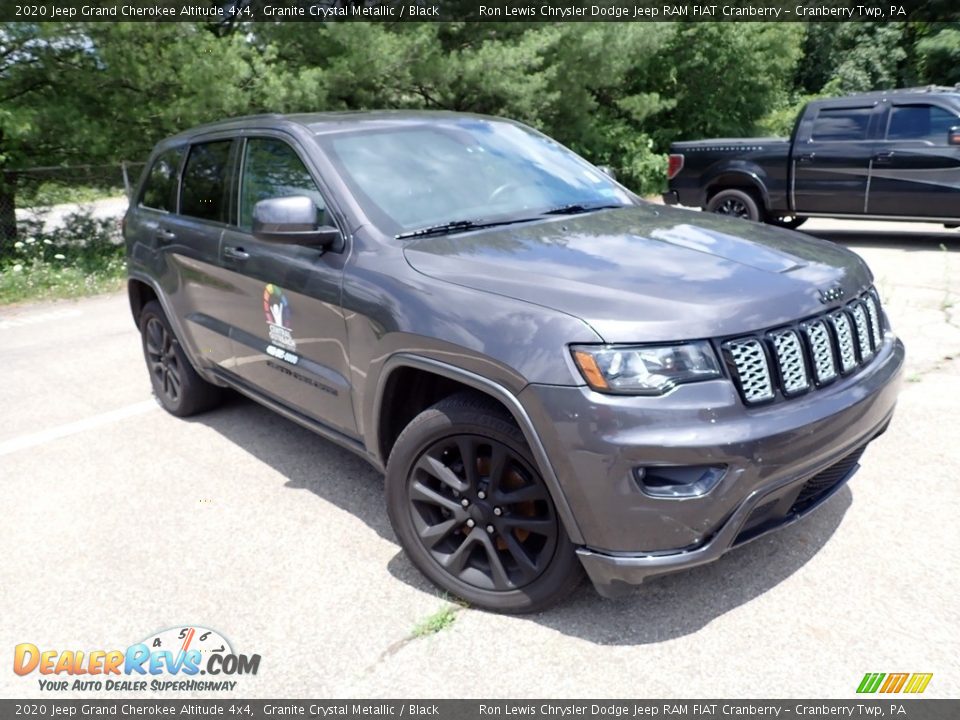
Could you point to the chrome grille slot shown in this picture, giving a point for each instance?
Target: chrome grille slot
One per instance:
(787, 361)
(873, 313)
(753, 372)
(793, 366)
(824, 365)
(863, 330)
(841, 326)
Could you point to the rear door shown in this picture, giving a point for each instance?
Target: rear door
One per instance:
(831, 158)
(288, 330)
(185, 227)
(916, 172)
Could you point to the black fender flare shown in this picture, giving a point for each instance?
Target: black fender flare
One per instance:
(741, 175)
(496, 391)
(174, 323)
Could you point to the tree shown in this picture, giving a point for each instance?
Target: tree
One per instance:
(725, 76)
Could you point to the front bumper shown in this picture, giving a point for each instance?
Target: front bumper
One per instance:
(781, 462)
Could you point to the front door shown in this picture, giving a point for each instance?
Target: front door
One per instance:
(288, 331)
(831, 161)
(916, 172)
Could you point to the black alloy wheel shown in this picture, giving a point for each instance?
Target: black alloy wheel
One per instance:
(176, 384)
(734, 202)
(473, 512)
(160, 347)
(482, 513)
(733, 206)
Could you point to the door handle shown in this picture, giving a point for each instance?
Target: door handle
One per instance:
(806, 157)
(235, 253)
(882, 158)
(164, 236)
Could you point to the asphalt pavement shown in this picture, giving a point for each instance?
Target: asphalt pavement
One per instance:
(119, 521)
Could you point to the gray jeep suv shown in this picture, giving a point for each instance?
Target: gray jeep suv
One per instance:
(554, 375)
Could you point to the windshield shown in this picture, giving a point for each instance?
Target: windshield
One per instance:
(446, 170)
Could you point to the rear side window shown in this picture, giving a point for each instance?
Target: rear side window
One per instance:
(921, 122)
(203, 191)
(272, 169)
(841, 124)
(160, 190)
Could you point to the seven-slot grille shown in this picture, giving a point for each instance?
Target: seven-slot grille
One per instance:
(813, 353)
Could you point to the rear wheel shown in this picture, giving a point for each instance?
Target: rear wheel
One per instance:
(471, 510)
(735, 203)
(176, 384)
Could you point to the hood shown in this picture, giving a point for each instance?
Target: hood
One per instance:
(649, 273)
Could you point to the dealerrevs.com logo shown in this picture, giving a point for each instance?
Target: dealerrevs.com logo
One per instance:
(173, 659)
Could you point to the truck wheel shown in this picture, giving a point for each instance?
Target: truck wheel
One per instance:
(472, 512)
(791, 222)
(178, 387)
(735, 203)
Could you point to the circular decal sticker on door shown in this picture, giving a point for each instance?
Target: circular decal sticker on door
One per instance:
(276, 310)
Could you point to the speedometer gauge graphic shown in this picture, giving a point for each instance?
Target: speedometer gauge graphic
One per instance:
(177, 640)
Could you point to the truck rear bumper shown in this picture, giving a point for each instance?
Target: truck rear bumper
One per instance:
(670, 197)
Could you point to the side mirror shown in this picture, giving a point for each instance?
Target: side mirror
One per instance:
(953, 136)
(608, 171)
(292, 220)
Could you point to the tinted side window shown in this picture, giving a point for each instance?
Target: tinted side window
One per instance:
(203, 191)
(160, 190)
(921, 122)
(841, 124)
(271, 169)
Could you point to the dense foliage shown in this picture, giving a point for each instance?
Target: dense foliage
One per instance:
(618, 93)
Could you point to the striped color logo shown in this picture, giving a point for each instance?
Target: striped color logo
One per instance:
(894, 682)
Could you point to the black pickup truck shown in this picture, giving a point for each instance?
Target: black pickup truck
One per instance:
(891, 155)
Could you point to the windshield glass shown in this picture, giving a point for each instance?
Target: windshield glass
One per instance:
(417, 176)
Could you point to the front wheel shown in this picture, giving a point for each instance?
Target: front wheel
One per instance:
(735, 203)
(791, 222)
(471, 510)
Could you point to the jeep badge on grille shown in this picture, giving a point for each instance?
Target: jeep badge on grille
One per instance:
(831, 294)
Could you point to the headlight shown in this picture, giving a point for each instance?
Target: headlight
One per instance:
(645, 370)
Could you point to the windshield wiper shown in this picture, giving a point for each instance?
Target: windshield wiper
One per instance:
(464, 225)
(578, 208)
(458, 226)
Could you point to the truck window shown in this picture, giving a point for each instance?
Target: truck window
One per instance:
(841, 124)
(272, 169)
(921, 122)
(203, 190)
(160, 189)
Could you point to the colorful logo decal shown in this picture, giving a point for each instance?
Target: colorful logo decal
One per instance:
(276, 309)
(895, 682)
(163, 659)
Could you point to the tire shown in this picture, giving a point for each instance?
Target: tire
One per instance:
(735, 203)
(176, 385)
(791, 222)
(492, 539)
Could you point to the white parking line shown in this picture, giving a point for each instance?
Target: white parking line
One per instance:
(61, 431)
(20, 321)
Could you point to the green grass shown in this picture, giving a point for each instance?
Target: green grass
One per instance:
(44, 281)
(432, 624)
(82, 257)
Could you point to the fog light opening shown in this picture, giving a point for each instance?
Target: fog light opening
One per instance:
(678, 481)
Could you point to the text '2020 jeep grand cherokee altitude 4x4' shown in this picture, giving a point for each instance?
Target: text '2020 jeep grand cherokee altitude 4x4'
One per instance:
(553, 374)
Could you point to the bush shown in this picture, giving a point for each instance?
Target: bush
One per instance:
(81, 256)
